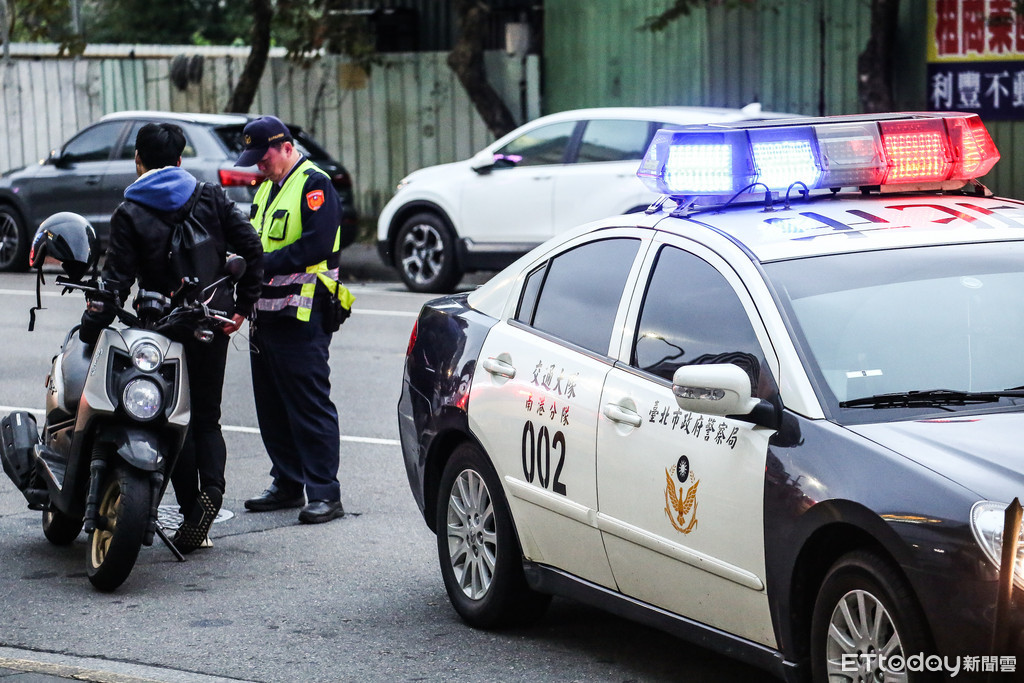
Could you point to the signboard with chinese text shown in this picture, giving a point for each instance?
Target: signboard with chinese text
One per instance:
(976, 58)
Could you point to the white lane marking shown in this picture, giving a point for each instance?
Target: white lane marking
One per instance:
(39, 414)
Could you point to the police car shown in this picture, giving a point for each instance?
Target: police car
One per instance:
(779, 414)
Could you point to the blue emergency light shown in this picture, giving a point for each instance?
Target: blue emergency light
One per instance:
(890, 152)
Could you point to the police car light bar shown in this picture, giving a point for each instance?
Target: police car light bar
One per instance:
(891, 152)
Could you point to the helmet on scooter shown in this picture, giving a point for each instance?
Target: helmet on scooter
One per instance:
(68, 238)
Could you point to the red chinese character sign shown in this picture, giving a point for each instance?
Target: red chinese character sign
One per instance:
(976, 58)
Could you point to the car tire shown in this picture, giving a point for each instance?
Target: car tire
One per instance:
(14, 241)
(425, 254)
(863, 589)
(481, 562)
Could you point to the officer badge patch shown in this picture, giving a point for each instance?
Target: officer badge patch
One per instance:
(681, 509)
(315, 199)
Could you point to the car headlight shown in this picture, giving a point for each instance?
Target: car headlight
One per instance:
(142, 399)
(146, 356)
(987, 520)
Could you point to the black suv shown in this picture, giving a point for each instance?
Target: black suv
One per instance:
(90, 172)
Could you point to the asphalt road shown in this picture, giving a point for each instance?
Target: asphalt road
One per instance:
(357, 599)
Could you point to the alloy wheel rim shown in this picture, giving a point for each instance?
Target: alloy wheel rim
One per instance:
(106, 525)
(8, 239)
(862, 631)
(472, 537)
(422, 253)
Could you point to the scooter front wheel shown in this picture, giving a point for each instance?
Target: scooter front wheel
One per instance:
(59, 528)
(120, 528)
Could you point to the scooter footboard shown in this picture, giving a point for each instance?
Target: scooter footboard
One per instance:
(18, 434)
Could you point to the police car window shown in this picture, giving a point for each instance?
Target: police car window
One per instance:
(691, 315)
(613, 141)
(848, 308)
(544, 145)
(93, 144)
(577, 295)
(128, 148)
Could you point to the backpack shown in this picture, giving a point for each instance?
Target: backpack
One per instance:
(192, 253)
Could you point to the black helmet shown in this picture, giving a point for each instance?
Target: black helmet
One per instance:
(68, 238)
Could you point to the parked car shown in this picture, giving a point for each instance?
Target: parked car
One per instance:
(89, 173)
(771, 416)
(544, 177)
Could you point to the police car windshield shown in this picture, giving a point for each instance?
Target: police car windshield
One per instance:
(903, 322)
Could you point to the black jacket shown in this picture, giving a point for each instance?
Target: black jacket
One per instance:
(139, 238)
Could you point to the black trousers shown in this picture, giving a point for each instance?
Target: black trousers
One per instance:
(298, 422)
(204, 455)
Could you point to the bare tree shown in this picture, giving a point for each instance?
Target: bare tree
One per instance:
(874, 64)
(466, 60)
(245, 90)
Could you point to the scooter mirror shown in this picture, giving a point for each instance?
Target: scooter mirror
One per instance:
(234, 267)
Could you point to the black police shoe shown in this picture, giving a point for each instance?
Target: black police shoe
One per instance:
(319, 511)
(272, 499)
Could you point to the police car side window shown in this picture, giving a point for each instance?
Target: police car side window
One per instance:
(544, 145)
(692, 315)
(576, 294)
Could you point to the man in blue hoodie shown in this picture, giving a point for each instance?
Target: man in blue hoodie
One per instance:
(140, 230)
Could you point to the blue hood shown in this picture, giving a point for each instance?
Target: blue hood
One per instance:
(980, 452)
(165, 189)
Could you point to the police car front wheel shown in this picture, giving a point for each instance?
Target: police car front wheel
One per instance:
(867, 625)
(481, 561)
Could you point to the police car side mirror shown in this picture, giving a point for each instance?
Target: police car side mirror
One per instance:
(482, 162)
(721, 389)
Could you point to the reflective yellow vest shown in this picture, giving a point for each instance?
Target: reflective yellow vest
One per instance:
(278, 225)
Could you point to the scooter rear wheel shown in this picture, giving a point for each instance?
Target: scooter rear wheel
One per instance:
(121, 525)
(59, 528)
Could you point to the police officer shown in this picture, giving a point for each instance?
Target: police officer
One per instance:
(297, 214)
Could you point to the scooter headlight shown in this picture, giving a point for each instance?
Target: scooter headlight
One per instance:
(142, 399)
(146, 356)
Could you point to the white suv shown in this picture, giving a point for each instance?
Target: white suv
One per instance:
(546, 176)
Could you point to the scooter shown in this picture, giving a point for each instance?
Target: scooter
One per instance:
(116, 417)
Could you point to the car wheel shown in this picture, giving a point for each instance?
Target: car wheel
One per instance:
(425, 254)
(866, 623)
(14, 241)
(481, 562)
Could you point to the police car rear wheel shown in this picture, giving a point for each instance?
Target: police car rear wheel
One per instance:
(425, 254)
(481, 562)
(866, 624)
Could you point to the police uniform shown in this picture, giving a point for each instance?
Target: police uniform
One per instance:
(298, 224)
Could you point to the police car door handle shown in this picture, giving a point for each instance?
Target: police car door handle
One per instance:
(617, 413)
(92, 180)
(499, 368)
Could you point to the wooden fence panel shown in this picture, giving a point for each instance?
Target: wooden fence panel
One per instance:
(406, 113)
